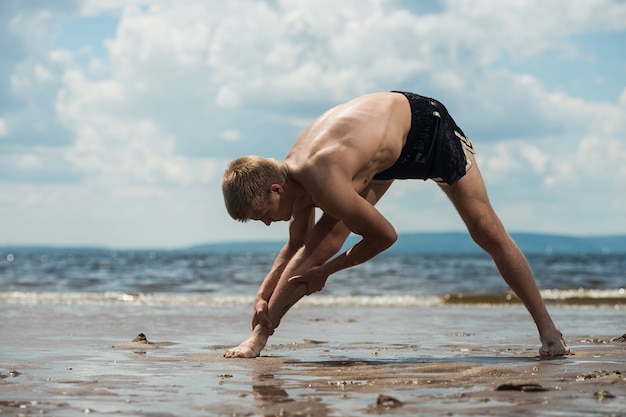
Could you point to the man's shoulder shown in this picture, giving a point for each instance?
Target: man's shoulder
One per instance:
(320, 171)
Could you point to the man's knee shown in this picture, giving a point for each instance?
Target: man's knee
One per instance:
(489, 234)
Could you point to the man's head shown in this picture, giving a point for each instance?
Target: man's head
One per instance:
(247, 183)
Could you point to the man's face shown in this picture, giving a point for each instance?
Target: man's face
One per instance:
(276, 208)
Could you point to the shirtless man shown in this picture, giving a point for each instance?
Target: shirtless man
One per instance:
(343, 163)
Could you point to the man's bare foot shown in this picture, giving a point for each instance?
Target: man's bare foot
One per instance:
(554, 346)
(252, 346)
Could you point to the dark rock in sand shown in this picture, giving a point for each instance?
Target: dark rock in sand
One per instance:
(141, 338)
(520, 386)
(141, 343)
(603, 395)
(387, 401)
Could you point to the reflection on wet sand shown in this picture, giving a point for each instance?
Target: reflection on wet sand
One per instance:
(273, 400)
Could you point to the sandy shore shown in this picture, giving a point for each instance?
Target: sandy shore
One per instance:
(69, 360)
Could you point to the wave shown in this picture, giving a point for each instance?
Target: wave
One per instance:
(613, 298)
(117, 298)
(580, 296)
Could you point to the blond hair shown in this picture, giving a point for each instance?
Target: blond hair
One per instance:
(246, 184)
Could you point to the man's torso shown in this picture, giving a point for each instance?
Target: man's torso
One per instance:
(353, 141)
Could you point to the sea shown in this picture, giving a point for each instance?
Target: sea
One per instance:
(103, 277)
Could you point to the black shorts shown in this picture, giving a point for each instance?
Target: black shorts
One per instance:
(436, 148)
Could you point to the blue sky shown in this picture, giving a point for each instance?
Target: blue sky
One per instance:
(117, 118)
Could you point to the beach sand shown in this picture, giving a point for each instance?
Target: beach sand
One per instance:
(70, 360)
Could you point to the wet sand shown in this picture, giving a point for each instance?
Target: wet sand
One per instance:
(69, 360)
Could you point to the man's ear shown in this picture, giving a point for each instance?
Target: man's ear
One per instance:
(276, 188)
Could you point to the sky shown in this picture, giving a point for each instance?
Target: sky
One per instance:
(118, 117)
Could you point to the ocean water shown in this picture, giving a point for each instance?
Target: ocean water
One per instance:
(171, 277)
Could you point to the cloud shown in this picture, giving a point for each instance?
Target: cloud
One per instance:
(158, 102)
(595, 162)
(227, 98)
(114, 149)
(230, 135)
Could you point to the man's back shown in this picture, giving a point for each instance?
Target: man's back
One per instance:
(352, 141)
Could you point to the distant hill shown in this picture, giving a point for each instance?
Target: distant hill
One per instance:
(453, 242)
(457, 242)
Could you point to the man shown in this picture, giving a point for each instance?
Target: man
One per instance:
(343, 163)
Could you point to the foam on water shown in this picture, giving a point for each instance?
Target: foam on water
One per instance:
(615, 298)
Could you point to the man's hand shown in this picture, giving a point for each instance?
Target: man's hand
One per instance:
(260, 314)
(314, 279)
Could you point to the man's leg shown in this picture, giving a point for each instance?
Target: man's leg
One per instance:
(326, 239)
(469, 196)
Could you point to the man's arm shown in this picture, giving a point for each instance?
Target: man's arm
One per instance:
(299, 229)
(377, 233)
(324, 240)
(335, 193)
